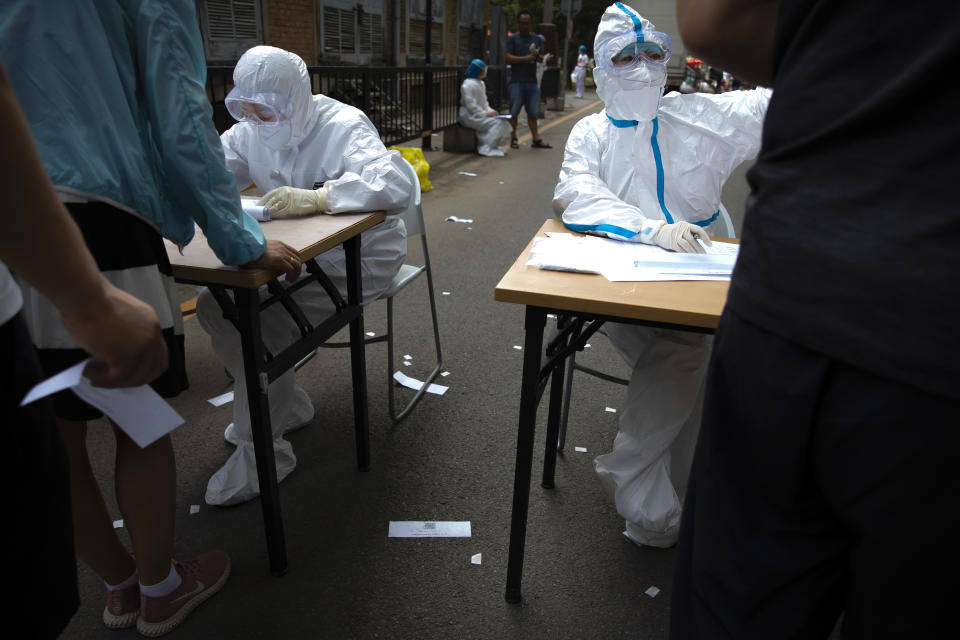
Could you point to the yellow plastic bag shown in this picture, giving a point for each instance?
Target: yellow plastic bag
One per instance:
(415, 157)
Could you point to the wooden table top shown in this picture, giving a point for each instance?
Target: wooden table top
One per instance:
(688, 303)
(309, 235)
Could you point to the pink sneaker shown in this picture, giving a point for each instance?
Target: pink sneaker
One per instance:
(201, 577)
(123, 607)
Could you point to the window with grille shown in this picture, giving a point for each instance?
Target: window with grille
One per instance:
(418, 45)
(470, 44)
(371, 33)
(339, 35)
(229, 27)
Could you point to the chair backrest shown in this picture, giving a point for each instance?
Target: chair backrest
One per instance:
(413, 215)
(725, 229)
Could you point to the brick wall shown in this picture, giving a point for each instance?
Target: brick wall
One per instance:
(291, 25)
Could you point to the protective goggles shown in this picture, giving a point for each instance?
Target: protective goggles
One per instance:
(259, 107)
(630, 50)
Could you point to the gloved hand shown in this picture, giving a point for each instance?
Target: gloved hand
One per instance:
(681, 237)
(290, 201)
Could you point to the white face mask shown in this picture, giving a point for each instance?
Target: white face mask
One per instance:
(634, 95)
(277, 136)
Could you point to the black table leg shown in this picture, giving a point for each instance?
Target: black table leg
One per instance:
(358, 360)
(248, 308)
(553, 423)
(536, 318)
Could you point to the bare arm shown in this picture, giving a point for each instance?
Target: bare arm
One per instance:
(735, 35)
(44, 246)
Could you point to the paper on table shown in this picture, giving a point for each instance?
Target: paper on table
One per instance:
(428, 529)
(258, 212)
(139, 411)
(413, 383)
(629, 261)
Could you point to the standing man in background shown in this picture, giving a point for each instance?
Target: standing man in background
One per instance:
(523, 53)
(824, 480)
(580, 72)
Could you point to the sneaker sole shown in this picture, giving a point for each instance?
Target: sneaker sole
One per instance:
(124, 621)
(156, 629)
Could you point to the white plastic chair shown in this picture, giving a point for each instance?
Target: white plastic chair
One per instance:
(724, 229)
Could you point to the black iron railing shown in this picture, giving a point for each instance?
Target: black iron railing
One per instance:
(394, 98)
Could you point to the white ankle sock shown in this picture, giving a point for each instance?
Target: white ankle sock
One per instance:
(129, 582)
(164, 587)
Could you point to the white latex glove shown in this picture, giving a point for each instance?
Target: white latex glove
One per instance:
(290, 201)
(681, 237)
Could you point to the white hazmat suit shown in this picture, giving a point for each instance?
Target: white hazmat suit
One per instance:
(650, 168)
(318, 141)
(493, 133)
(580, 72)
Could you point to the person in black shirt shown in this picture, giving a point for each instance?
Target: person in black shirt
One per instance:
(824, 480)
(523, 53)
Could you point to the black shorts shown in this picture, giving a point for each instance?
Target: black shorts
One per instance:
(132, 255)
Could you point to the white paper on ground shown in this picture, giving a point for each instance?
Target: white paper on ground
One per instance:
(194, 508)
(467, 173)
(652, 592)
(446, 293)
(476, 558)
(428, 529)
(221, 399)
(139, 411)
(408, 357)
(118, 524)
(444, 373)
(610, 410)
(456, 219)
(258, 212)
(370, 334)
(580, 449)
(518, 347)
(413, 383)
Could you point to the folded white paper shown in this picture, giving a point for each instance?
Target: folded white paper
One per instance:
(428, 529)
(139, 411)
(413, 383)
(221, 399)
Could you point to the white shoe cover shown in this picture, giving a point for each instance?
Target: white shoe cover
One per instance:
(236, 481)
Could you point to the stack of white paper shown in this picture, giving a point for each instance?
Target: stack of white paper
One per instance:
(629, 261)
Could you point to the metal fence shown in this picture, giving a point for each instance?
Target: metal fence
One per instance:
(395, 99)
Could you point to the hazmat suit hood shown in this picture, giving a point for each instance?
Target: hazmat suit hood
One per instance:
(269, 74)
(631, 94)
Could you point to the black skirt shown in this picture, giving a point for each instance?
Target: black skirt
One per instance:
(132, 256)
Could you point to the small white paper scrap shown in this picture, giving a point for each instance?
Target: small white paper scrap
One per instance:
(446, 293)
(194, 508)
(139, 411)
(475, 558)
(445, 373)
(408, 357)
(652, 592)
(407, 363)
(221, 399)
(586, 346)
(467, 173)
(118, 524)
(413, 383)
(580, 449)
(518, 347)
(428, 529)
(456, 219)
(370, 334)
(611, 410)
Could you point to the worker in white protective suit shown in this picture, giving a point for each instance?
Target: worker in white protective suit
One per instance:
(580, 71)
(310, 154)
(650, 168)
(493, 132)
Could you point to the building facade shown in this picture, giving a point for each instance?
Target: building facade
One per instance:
(375, 33)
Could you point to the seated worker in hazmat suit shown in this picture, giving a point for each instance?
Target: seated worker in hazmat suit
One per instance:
(310, 155)
(493, 133)
(651, 169)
